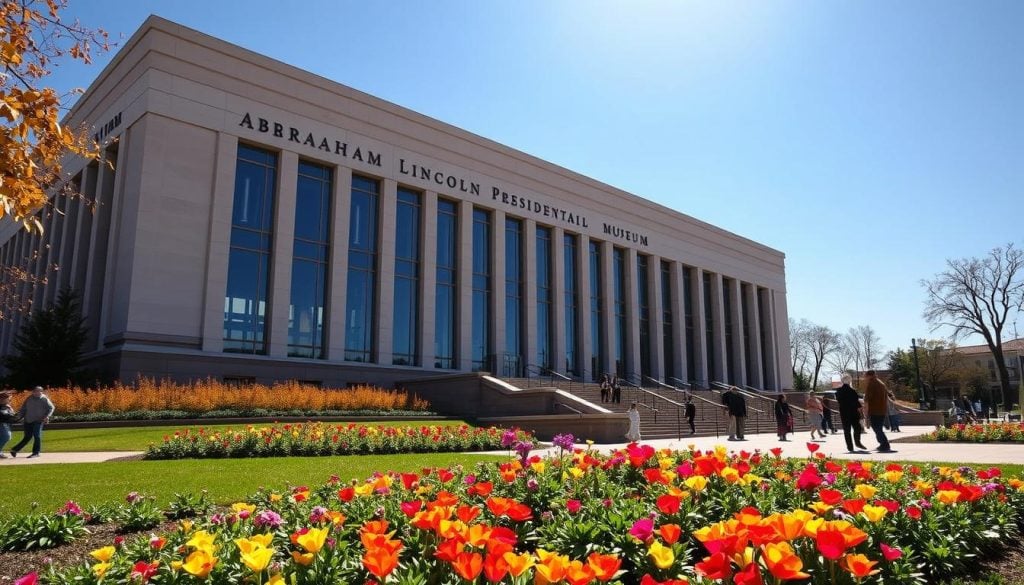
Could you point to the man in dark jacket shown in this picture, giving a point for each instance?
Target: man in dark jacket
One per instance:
(876, 400)
(736, 407)
(849, 413)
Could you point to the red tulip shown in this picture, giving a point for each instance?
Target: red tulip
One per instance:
(813, 447)
(891, 553)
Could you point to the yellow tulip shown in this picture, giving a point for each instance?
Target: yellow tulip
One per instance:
(313, 540)
(243, 507)
(100, 569)
(202, 540)
(576, 472)
(364, 489)
(103, 554)
(662, 555)
(819, 507)
(304, 559)
(538, 466)
(948, 496)
(865, 491)
(277, 579)
(257, 558)
(730, 474)
(893, 476)
(264, 539)
(199, 563)
(696, 483)
(874, 514)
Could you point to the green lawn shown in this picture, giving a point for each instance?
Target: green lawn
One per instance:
(226, 480)
(138, 438)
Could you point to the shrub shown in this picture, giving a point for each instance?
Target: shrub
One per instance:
(211, 395)
(41, 531)
(991, 432)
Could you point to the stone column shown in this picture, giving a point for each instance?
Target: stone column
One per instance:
(341, 210)
(583, 304)
(718, 336)
(219, 237)
(739, 365)
(657, 318)
(632, 290)
(117, 202)
(388, 210)
(699, 371)
(281, 255)
(608, 308)
(780, 327)
(428, 278)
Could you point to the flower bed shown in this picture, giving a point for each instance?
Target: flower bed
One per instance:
(329, 439)
(993, 432)
(636, 516)
(211, 395)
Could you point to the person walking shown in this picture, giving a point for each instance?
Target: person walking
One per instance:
(606, 388)
(736, 407)
(815, 410)
(826, 420)
(633, 434)
(876, 399)
(7, 418)
(783, 417)
(35, 412)
(691, 412)
(616, 389)
(849, 414)
(893, 413)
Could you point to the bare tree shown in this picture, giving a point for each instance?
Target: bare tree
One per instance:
(866, 345)
(852, 342)
(823, 342)
(846, 355)
(799, 346)
(979, 295)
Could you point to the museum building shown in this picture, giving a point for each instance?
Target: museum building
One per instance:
(253, 221)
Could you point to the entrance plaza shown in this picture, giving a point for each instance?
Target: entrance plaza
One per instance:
(834, 446)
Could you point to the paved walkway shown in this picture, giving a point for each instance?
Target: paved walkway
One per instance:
(833, 446)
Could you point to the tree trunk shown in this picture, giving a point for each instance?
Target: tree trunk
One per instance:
(1004, 379)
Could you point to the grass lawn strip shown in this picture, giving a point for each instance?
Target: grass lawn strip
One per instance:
(226, 480)
(138, 438)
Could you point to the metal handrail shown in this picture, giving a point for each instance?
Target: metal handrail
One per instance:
(675, 380)
(728, 387)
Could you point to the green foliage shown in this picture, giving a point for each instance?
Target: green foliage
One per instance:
(140, 513)
(40, 531)
(189, 505)
(47, 350)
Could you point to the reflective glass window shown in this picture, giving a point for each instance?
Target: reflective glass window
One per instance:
(745, 317)
(481, 353)
(544, 297)
(512, 362)
(306, 333)
(709, 327)
(597, 366)
(252, 218)
(688, 317)
(667, 341)
(728, 316)
(619, 310)
(407, 279)
(644, 302)
(362, 270)
(445, 313)
(571, 291)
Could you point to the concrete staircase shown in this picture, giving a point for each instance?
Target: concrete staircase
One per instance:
(661, 412)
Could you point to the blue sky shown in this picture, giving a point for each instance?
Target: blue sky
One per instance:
(867, 140)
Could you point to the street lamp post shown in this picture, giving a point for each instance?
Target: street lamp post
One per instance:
(917, 374)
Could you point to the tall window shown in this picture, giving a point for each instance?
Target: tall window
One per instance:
(405, 337)
(481, 330)
(768, 383)
(688, 323)
(362, 270)
(445, 315)
(619, 308)
(513, 296)
(643, 291)
(571, 304)
(252, 221)
(709, 328)
(746, 317)
(544, 308)
(730, 353)
(667, 345)
(597, 365)
(309, 261)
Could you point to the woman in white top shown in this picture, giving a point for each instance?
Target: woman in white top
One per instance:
(815, 410)
(633, 434)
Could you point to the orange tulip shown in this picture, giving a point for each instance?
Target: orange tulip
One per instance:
(380, 562)
(859, 565)
(550, 567)
(468, 565)
(518, 564)
(670, 533)
(495, 567)
(782, 562)
(605, 566)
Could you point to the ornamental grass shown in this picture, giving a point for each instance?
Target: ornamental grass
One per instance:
(991, 432)
(323, 439)
(208, 395)
(636, 516)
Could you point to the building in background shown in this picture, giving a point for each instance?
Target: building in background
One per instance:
(258, 222)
